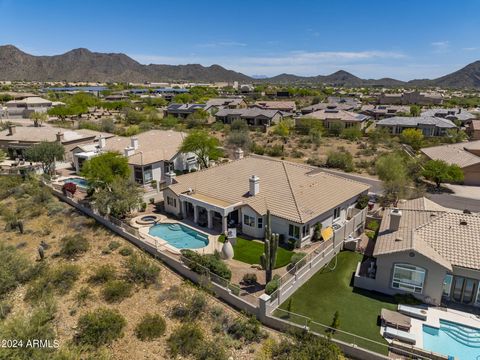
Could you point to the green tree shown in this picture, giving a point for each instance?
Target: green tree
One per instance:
(38, 118)
(391, 169)
(456, 136)
(440, 172)
(239, 139)
(412, 137)
(352, 133)
(103, 169)
(415, 110)
(119, 198)
(46, 153)
(239, 125)
(284, 127)
(204, 146)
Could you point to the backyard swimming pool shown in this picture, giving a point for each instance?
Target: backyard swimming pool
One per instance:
(452, 339)
(179, 236)
(77, 181)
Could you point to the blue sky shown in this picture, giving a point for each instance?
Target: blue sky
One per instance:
(372, 39)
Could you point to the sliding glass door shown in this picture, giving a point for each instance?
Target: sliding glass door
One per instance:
(464, 289)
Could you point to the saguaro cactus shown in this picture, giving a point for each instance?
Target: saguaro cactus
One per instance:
(269, 256)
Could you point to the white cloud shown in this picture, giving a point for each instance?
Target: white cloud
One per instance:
(440, 46)
(470, 48)
(220, 44)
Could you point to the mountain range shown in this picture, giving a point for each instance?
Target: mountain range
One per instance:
(85, 65)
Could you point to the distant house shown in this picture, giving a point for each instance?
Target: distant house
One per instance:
(287, 106)
(465, 155)
(459, 114)
(410, 98)
(226, 103)
(378, 112)
(16, 139)
(430, 126)
(239, 193)
(24, 107)
(181, 111)
(331, 115)
(322, 106)
(345, 101)
(252, 116)
(151, 155)
(425, 250)
(473, 130)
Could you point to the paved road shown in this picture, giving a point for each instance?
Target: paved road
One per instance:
(447, 200)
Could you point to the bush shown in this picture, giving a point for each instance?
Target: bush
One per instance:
(99, 327)
(185, 340)
(274, 150)
(114, 245)
(212, 350)
(373, 225)
(340, 160)
(152, 326)
(198, 263)
(72, 246)
(296, 258)
(69, 188)
(5, 309)
(116, 291)
(407, 299)
(193, 309)
(15, 269)
(125, 251)
(59, 279)
(272, 285)
(351, 133)
(247, 329)
(141, 269)
(249, 278)
(362, 201)
(83, 295)
(103, 274)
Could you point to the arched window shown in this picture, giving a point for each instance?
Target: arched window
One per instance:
(408, 278)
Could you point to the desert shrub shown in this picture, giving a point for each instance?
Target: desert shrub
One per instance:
(83, 295)
(248, 330)
(15, 268)
(151, 326)
(57, 280)
(274, 150)
(99, 327)
(249, 278)
(340, 160)
(297, 154)
(362, 201)
(272, 285)
(103, 274)
(197, 263)
(211, 350)
(116, 290)
(257, 149)
(351, 133)
(305, 346)
(141, 270)
(373, 225)
(5, 309)
(192, 309)
(185, 340)
(125, 251)
(72, 246)
(113, 245)
(297, 258)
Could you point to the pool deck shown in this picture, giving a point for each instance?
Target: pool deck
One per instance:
(434, 314)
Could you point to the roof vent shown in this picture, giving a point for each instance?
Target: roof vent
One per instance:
(399, 238)
(463, 222)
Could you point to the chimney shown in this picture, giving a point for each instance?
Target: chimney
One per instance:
(101, 141)
(238, 154)
(60, 137)
(134, 143)
(170, 178)
(12, 129)
(254, 182)
(395, 217)
(128, 151)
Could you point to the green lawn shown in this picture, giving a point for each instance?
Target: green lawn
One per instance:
(249, 252)
(329, 291)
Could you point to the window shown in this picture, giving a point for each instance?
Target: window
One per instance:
(147, 174)
(260, 222)
(305, 230)
(336, 213)
(447, 285)
(408, 278)
(293, 231)
(171, 201)
(249, 220)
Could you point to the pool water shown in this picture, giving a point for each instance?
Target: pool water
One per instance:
(179, 236)
(77, 181)
(453, 339)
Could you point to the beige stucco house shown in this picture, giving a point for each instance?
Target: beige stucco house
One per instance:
(333, 115)
(425, 250)
(238, 194)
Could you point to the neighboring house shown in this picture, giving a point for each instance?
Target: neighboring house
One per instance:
(430, 125)
(150, 155)
(345, 101)
(473, 130)
(331, 115)
(24, 107)
(410, 98)
(428, 251)
(465, 155)
(459, 114)
(183, 110)
(239, 193)
(226, 103)
(378, 112)
(286, 106)
(322, 106)
(16, 139)
(252, 116)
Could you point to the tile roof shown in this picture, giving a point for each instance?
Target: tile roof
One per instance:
(446, 236)
(276, 104)
(417, 120)
(247, 113)
(48, 133)
(451, 114)
(335, 114)
(322, 106)
(292, 191)
(32, 100)
(224, 102)
(457, 154)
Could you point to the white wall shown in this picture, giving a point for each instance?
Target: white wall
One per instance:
(168, 208)
(249, 230)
